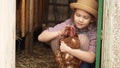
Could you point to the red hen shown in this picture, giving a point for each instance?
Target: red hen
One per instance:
(66, 60)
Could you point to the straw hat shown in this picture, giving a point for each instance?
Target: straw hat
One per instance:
(89, 6)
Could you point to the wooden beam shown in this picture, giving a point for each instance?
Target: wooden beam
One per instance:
(7, 33)
(111, 34)
(27, 17)
(23, 18)
(31, 26)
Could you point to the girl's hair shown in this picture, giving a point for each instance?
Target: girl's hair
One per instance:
(72, 15)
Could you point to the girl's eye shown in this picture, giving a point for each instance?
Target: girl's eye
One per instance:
(86, 18)
(78, 15)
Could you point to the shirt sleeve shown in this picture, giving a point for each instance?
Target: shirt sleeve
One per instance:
(59, 26)
(93, 38)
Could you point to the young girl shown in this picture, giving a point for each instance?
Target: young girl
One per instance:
(84, 20)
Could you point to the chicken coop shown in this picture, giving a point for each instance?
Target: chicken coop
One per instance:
(34, 16)
(21, 21)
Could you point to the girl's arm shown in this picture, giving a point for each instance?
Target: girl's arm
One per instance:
(46, 36)
(82, 55)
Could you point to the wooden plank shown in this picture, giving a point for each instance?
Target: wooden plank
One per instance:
(63, 5)
(27, 11)
(106, 44)
(7, 33)
(41, 1)
(31, 26)
(111, 34)
(23, 18)
(45, 10)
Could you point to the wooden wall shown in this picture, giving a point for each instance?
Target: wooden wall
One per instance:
(28, 20)
(7, 33)
(29, 15)
(111, 34)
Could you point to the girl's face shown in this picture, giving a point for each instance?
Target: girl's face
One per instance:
(82, 19)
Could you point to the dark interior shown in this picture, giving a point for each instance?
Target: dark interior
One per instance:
(32, 17)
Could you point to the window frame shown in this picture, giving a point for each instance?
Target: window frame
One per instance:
(99, 34)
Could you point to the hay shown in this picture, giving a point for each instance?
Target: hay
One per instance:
(42, 57)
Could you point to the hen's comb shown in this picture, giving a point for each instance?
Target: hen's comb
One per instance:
(71, 31)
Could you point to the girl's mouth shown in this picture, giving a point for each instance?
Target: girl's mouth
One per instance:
(79, 24)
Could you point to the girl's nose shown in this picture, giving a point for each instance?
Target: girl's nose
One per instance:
(80, 19)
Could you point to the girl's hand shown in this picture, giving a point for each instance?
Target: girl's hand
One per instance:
(64, 30)
(64, 47)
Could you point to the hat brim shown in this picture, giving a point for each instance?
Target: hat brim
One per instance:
(83, 7)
